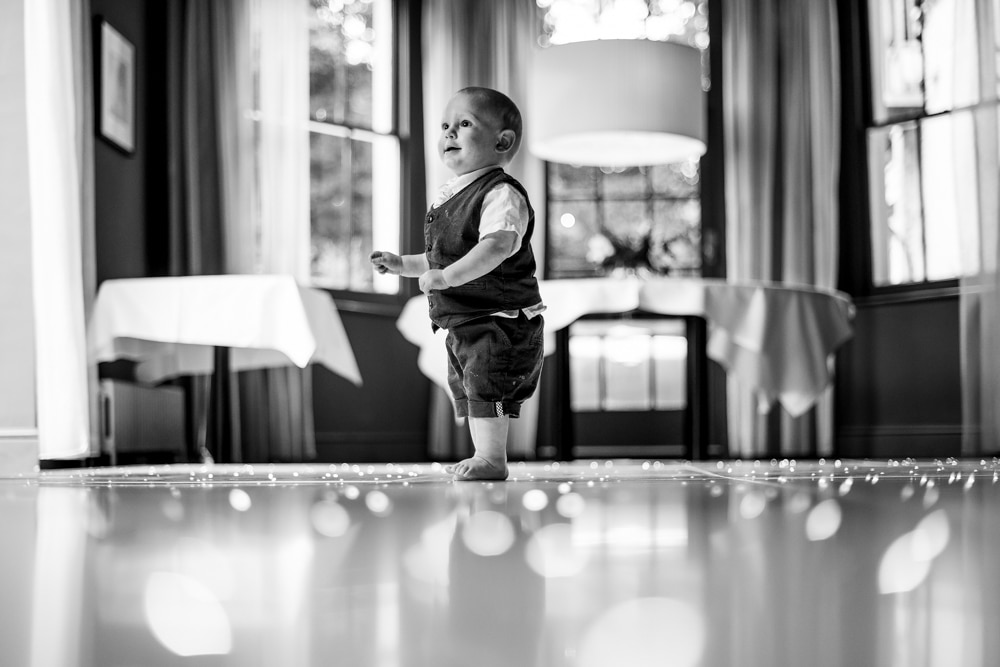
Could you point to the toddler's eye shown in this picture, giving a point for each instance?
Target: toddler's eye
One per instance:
(466, 123)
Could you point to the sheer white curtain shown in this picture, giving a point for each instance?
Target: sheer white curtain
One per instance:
(57, 147)
(781, 126)
(474, 43)
(265, 152)
(264, 149)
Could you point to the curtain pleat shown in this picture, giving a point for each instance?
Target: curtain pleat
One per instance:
(199, 229)
(781, 132)
(83, 79)
(232, 30)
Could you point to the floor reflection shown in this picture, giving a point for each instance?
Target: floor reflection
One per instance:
(591, 563)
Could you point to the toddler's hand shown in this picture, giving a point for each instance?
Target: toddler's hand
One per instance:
(433, 279)
(386, 262)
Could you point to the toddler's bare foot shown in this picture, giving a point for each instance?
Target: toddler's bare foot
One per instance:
(477, 467)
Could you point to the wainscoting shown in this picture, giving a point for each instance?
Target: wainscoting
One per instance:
(898, 386)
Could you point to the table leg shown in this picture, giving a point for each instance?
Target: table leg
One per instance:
(565, 435)
(696, 414)
(200, 388)
(221, 407)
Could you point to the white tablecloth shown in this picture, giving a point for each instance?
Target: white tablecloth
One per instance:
(171, 325)
(780, 340)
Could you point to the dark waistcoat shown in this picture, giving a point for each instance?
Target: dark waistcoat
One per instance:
(450, 231)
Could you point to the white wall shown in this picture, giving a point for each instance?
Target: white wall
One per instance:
(18, 420)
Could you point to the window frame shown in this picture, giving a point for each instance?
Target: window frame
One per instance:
(863, 112)
(407, 122)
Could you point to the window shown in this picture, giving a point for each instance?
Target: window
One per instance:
(628, 365)
(636, 218)
(932, 139)
(354, 143)
(641, 218)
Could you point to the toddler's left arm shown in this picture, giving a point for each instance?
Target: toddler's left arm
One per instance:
(485, 256)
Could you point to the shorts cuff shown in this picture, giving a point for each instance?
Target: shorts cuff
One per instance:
(488, 409)
(461, 407)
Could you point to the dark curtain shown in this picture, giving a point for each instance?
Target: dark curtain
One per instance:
(195, 229)
(195, 200)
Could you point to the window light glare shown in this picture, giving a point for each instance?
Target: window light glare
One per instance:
(185, 616)
(567, 220)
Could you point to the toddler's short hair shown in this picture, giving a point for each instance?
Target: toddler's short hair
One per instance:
(501, 107)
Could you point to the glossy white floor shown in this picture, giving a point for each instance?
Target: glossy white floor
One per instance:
(633, 563)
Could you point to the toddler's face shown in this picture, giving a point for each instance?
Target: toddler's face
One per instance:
(469, 137)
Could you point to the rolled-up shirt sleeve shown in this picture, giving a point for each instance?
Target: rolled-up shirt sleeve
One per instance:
(504, 210)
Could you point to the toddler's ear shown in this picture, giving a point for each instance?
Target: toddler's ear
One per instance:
(505, 141)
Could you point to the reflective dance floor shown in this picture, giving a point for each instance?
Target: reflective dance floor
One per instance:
(591, 563)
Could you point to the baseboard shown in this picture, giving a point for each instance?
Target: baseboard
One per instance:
(18, 453)
(371, 447)
(899, 441)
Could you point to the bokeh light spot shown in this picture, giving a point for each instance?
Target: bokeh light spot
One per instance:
(752, 505)
(824, 520)
(378, 503)
(239, 500)
(488, 533)
(185, 616)
(551, 552)
(535, 500)
(900, 571)
(570, 505)
(329, 518)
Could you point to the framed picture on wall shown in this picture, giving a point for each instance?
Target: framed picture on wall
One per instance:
(116, 87)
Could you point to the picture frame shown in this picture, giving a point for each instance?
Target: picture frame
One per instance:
(115, 87)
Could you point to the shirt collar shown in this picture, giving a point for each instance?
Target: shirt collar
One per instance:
(459, 182)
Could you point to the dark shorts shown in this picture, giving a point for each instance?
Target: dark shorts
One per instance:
(494, 364)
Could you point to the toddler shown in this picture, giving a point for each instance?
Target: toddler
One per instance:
(478, 272)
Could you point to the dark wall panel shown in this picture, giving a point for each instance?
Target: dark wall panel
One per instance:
(130, 189)
(386, 418)
(899, 383)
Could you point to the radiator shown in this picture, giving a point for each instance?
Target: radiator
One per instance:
(140, 419)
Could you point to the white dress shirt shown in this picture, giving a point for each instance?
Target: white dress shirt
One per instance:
(504, 208)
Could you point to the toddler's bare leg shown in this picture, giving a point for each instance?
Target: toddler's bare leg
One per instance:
(489, 436)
